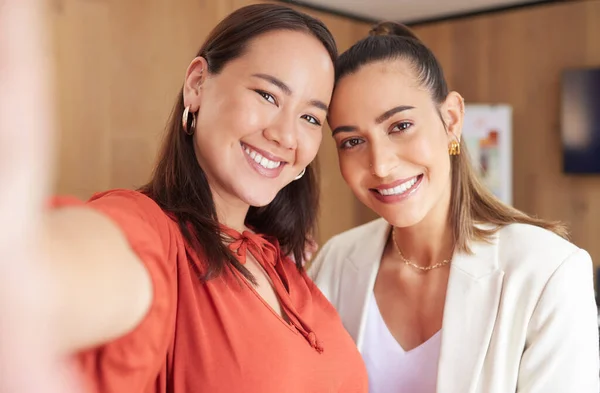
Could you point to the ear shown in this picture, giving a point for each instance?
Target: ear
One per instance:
(453, 113)
(195, 76)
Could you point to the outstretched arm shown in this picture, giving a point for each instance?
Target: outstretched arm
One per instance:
(68, 278)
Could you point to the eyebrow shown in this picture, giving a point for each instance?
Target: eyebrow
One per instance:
(286, 89)
(319, 104)
(387, 114)
(379, 119)
(277, 82)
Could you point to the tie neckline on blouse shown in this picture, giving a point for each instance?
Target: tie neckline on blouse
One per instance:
(267, 254)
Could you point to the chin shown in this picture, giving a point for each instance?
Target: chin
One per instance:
(397, 215)
(259, 199)
(404, 222)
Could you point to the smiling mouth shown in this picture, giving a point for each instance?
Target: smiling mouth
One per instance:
(400, 189)
(260, 159)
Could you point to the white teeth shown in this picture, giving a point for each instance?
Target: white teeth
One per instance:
(260, 160)
(400, 189)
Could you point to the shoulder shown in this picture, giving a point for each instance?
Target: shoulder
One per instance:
(130, 205)
(530, 242)
(141, 220)
(532, 236)
(122, 205)
(354, 248)
(532, 254)
(126, 198)
(352, 240)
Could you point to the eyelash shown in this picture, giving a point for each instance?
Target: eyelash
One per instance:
(347, 144)
(311, 119)
(266, 96)
(405, 123)
(316, 121)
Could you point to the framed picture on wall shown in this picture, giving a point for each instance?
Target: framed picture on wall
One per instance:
(487, 132)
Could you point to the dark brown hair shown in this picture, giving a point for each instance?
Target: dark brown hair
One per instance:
(471, 202)
(179, 184)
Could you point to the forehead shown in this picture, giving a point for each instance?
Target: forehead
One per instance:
(280, 42)
(375, 88)
(295, 57)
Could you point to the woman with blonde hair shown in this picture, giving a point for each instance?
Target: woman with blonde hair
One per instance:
(450, 290)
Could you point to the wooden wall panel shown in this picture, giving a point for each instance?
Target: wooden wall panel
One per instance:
(83, 56)
(120, 65)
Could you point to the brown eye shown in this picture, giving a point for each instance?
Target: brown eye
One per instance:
(311, 120)
(350, 143)
(267, 96)
(401, 127)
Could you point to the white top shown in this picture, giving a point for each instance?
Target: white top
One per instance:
(391, 369)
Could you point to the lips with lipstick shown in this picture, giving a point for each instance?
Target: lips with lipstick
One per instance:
(397, 190)
(260, 159)
(263, 162)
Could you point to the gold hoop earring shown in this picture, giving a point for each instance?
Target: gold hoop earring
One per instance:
(454, 148)
(185, 121)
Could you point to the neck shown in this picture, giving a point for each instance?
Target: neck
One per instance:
(430, 241)
(231, 212)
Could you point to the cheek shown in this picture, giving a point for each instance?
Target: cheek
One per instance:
(308, 146)
(351, 172)
(244, 115)
(430, 152)
(234, 115)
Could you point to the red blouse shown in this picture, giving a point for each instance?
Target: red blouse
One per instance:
(219, 336)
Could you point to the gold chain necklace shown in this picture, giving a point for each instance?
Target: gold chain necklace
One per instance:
(407, 262)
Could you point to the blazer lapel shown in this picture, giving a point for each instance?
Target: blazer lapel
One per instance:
(358, 281)
(472, 300)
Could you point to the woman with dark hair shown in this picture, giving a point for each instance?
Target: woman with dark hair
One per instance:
(450, 290)
(185, 285)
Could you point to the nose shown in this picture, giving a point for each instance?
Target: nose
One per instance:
(283, 131)
(384, 158)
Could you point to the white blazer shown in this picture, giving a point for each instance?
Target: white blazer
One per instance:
(520, 314)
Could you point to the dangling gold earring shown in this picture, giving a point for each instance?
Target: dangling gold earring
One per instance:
(185, 121)
(454, 148)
